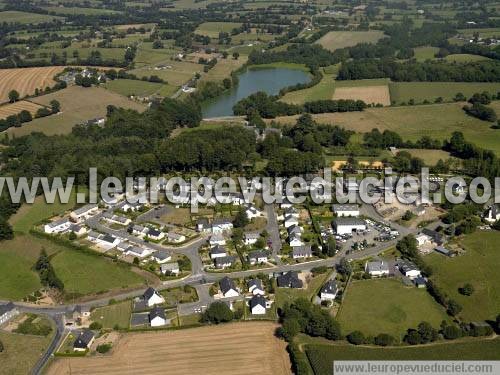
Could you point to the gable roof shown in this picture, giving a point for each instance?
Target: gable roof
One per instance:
(302, 250)
(6, 308)
(377, 266)
(221, 261)
(256, 283)
(83, 340)
(348, 221)
(257, 254)
(345, 207)
(162, 254)
(218, 249)
(257, 300)
(289, 280)
(226, 284)
(150, 292)
(330, 287)
(157, 312)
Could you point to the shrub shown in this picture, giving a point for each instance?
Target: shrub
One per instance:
(103, 348)
(384, 339)
(356, 338)
(95, 326)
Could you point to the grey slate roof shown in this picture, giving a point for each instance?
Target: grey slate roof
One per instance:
(289, 280)
(255, 282)
(226, 284)
(83, 340)
(330, 287)
(222, 261)
(345, 207)
(257, 300)
(377, 266)
(157, 312)
(348, 221)
(6, 308)
(149, 293)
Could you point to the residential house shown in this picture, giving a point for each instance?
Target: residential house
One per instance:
(304, 251)
(170, 269)
(423, 239)
(228, 288)
(155, 234)
(103, 241)
(217, 239)
(343, 210)
(76, 316)
(116, 219)
(78, 230)
(255, 287)
(218, 252)
(377, 268)
(252, 212)
(140, 231)
(290, 220)
(85, 212)
(57, 226)
(329, 291)
(132, 206)
(202, 225)
(221, 225)
(175, 237)
(152, 297)
(443, 250)
(258, 305)
(251, 238)
(420, 282)
(257, 257)
(492, 214)
(289, 279)
(285, 204)
(409, 269)
(162, 256)
(237, 199)
(346, 225)
(224, 262)
(139, 252)
(295, 240)
(84, 340)
(295, 230)
(437, 237)
(123, 246)
(7, 312)
(157, 317)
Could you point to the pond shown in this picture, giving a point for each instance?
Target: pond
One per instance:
(269, 80)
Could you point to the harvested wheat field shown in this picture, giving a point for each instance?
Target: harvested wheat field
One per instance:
(26, 80)
(14, 108)
(368, 94)
(239, 348)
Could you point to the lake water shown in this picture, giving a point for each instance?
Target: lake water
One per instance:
(269, 80)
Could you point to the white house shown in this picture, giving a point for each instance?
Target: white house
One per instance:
(257, 257)
(116, 219)
(258, 305)
(155, 234)
(294, 240)
(299, 252)
(78, 230)
(255, 287)
(131, 207)
(58, 226)
(423, 239)
(329, 291)
(228, 288)
(217, 239)
(139, 231)
(252, 212)
(7, 312)
(83, 213)
(290, 220)
(346, 225)
(202, 225)
(162, 256)
(221, 225)
(175, 237)
(218, 252)
(346, 210)
(492, 214)
(251, 238)
(170, 268)
(377, 268)
(138, 252)
(286, 204)
(152, 297)
(224, 262)
(409, 269)
(104, 241)
(157, 317)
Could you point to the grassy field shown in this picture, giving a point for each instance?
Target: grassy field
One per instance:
(323, 90)
(27, 347)
(179, 73)
(463, 57)
(284, 295)
(87, 274)
(321, 356)
(368, 94)
(78, 105)
(127, 87)
(84, 11)
(212, 29)
(425, 53)
(419, 91)
(387, 306)
(479, 266)
(223, 69)
(341, 39)
(14, 16)
(190, 351)
(112, 315)
(413, 122)
(26, 80)
(430, 157)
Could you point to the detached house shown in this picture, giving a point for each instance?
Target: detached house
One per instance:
(137, 251)
(152, 297)
(258, 305)
(84, 340)
(252, 212)
(251, 238)
(304, 251)
(155, 234)
(139, 231)
(157, 317)
(170, 268)
(228, 288)
(492, 214)
(295, 240)
(202, 225)
(221, 225)
(85, 212)
(377, 268)
(162, 256)
(409, 269)
(175, 237)
(217, 239)
(58, 226)
(290, 220)
(329, 291)
(224, 262)
(289, 280)
(257, 257)
(218, 252)
(255, 287)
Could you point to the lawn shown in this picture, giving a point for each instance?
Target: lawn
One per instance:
(479, 266)
(13, 16)
(420, 91)
(425, 53)
(18, 280)
(78, 105)
(88, 274)
(21, 352)
(223, 68)
(127, 87)
(82, 10)
(387, 306)
(341, 39)
(284, 295)
(323, 90)
(430, 157)
(112, 315)
(173, 296)
(321, 356)
(179, 73)
(413, 122)
(212, 29)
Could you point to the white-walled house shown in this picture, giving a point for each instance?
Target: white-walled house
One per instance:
(251, 238)
(218, 252)
(152, 297)
(83, 341)
(85, 212)
(162, 256)
(170, 268)
(258, 305)
(329, 291)
(175, 237)
(228, 288)
(255, 287)
(157, 317)
(409, 269)
(341, 210)
(58, 226)
(423, 239)
(257, 257)
(217, 239)
(252, 212)
(221, 225)
(139, 252)
(492, 214)
(295, 240)
(304, 251)
(155, 234)
(290, 220)
(377, 268)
